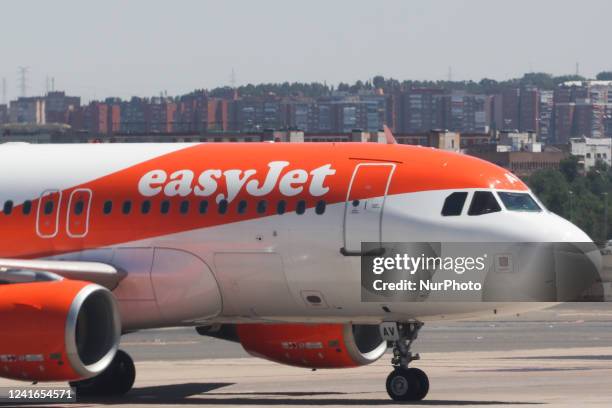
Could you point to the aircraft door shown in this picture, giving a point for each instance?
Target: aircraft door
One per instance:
(79, 204)
(47, 215)
(364, 205)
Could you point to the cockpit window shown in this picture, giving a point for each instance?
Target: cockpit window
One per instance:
(518, 202)
(453, 205)
(483, 202)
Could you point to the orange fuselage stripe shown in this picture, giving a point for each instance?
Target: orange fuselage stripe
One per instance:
(418, 169)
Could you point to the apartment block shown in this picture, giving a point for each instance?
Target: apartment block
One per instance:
(28, 110)
(4, 115)
(529, 110)
(219, 114)
(133, 116)
(257, 114)
(96, 118)
(367, 115)
(510, 115)
(192, 113)
(582, 109)
(607, 120)
(564, 121)
(58, 106)
(467, 113)
(302, 115)
(159, 115)
(591, 150)
(422, 110)
(545, 125)
(588, 119)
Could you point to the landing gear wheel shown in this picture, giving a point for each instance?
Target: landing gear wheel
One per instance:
(423, 381)
(123, 373)
(407, 384)
(116, 380)
(404, 383)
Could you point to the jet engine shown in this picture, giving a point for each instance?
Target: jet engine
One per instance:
(57, 330)
(307, 345)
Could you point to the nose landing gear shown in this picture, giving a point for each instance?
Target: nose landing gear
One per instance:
(404, 383)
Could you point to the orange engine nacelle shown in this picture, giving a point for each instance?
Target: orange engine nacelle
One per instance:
(313, 345)
(58, 330)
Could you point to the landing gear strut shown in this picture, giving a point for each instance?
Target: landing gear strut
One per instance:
(116, 380)
(406, 384)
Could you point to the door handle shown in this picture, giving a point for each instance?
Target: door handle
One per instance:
(372, 252)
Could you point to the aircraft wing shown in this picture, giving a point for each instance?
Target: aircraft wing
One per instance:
(97, 272)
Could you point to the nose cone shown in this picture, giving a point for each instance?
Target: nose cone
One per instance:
(561, 264)
(564, 231)
(578, 264)
(578, 268)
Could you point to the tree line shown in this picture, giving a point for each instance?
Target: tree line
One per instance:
(577, 197)
(485, 86)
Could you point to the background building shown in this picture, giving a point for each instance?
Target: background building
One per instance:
(421, 110)
(4, 114)
(589, 151)
(555, 115)
(28, 110)
(545, 125)
(58, 106)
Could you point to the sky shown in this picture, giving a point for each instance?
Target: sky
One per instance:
(124, 48)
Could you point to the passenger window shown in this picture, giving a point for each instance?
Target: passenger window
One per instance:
(8, 207)
(165, 207)
(222, 206)
(108, 207)
(262, 206)
(242, 206)
(78, 207)
(453, 205)
(300, 208)
(127, 207)
(518, 202)
(27, 207)
(320, 207)
(184, 207)
(145, 207)
(203, 206)
(48, 207)
(483, 202)
(281, 207)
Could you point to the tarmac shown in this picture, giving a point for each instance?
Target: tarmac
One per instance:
(561, 357)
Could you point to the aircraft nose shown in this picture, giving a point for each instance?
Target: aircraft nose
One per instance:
(578, 262)
(560, 264)
(578, 267)
(565, 231)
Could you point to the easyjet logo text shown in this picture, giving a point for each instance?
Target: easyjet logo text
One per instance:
(227, 184)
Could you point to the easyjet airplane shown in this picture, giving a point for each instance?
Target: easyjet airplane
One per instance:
(252, 242)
